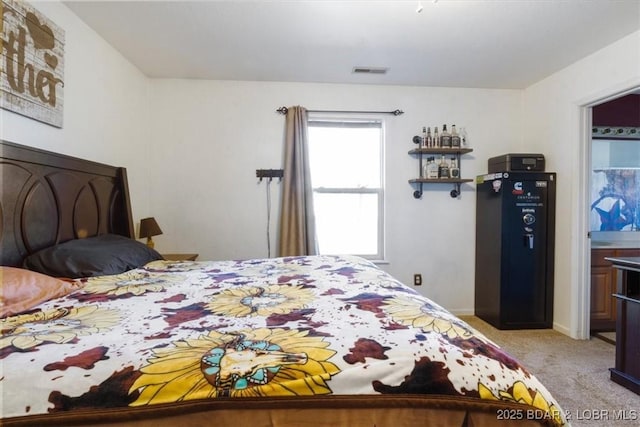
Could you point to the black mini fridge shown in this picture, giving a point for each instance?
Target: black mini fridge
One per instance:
(515, 232)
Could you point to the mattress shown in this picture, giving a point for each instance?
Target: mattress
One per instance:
(317, 340)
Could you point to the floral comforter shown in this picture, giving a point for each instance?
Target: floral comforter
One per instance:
(301, 326)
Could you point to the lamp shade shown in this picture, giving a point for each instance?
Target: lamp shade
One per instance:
(149, 227)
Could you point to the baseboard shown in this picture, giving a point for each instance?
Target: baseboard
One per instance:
(562, 329)
(556, 326)
(608, 337)
(463, 312)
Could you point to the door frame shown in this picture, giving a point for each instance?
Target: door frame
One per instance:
(582, 318)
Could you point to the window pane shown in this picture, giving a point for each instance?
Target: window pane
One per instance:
(345, 157)
(347, 223)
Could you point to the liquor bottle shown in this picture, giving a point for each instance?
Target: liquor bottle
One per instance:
(424, 137)
(429, 142)
(432, 169)
(436, 137)
(455, 138)
(454, 170)
(445, 138)
(443, 169)
(463, 137)
(424, 173)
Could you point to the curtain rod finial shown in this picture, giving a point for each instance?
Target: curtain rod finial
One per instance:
(282, 110)
(397, 112)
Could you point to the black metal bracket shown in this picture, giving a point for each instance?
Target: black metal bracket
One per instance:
(396, 112)
(418, 193)
(269, 173)
(455, 193)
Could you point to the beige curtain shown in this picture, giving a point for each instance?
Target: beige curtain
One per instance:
(297, 223)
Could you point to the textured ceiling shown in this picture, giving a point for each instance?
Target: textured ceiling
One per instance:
(457, 43)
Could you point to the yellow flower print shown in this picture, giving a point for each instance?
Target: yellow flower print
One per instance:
(261, 301)
(173, 266)
(415, 313)
(59, 326)
(133, 282)
(288, 268)
(261, 362)
(521, 394)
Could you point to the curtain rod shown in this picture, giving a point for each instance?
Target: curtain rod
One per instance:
(283, 110)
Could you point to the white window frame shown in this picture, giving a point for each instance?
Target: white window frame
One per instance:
(379, 257)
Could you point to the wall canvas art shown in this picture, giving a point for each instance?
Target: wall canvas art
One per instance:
(615, 195)
(32, 63)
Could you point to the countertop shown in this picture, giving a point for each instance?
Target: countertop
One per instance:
(615, 239)
(631, 262)
(614, 245)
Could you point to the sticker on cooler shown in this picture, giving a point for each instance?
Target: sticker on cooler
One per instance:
(517, 188)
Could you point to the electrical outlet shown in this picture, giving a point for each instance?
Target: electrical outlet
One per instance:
(417, 279)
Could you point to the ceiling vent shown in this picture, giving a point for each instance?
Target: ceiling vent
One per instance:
(369, 70)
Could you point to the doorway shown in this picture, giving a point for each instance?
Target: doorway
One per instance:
(596, 305)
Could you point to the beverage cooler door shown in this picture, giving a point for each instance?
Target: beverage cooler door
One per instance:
(526, 215)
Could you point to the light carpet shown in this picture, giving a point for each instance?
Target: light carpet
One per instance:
(576, 373)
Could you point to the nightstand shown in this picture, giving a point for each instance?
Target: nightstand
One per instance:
(180, 257)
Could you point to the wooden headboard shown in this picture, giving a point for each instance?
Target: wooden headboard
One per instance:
(49, 198)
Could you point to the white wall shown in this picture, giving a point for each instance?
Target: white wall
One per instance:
(105, 106)
(554, 126)
(182, 139)
(209, 137)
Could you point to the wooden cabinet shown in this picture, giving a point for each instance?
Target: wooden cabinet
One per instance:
(603, 285)
(603, 305)
(627, 369)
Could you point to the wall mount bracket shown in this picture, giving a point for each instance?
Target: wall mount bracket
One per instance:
(270, 174)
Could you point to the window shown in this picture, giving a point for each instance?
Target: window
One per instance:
(346, 162)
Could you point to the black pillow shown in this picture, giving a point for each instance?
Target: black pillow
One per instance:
(94, 256)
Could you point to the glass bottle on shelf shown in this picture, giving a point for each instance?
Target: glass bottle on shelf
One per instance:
(429, 142)
(443, 169)
(424, 138)
(436, 138)
(455, 138)
(432, 169)
(424, 173)
(454, 169)
(463, 137)
(445, 138)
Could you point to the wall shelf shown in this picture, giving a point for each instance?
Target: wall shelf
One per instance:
(445, 151)
(456, 152)
(439, 181)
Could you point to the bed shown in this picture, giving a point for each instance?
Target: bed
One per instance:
(310, 340)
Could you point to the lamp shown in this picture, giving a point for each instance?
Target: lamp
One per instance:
(148, 228)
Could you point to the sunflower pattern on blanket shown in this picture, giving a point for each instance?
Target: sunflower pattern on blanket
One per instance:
(264, 362)
(297, 326)
(60, 326)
